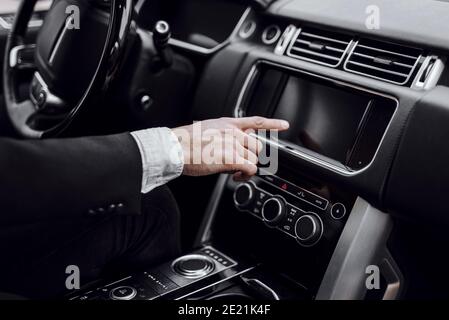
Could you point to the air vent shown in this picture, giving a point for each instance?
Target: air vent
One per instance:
(320, 46)
(381, 60)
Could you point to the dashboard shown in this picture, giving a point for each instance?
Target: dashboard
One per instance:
(368, 109)
(368, 106)
(317, 56)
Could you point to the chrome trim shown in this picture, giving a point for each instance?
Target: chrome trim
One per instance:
(31, 24)
(111, 284)
(345, 67)
(315, 227)
(344, 210)
(250, 212)
(238, 112)
(196, 274)
(195, 280)
(432, 78)
(50, 97)
(285, 39)
(250, 187)
(128, 297)
(278, 214)
(298, 239)
(215, 283)
(273, 293)
(60, 39)
(246, 34)
(13, 54)
(393, 276)
(292, 55)
(275, 38)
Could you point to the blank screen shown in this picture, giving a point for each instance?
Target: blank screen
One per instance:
(322, 119)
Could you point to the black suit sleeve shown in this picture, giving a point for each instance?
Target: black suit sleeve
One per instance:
(69, 178)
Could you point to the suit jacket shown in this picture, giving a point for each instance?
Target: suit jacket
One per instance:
(69, 178)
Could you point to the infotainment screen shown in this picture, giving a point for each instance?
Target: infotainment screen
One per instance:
(322, 118)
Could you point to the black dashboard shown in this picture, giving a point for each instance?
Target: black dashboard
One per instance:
(401, 63)
(368, 104)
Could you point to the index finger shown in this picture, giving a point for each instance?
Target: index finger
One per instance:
(261, 123)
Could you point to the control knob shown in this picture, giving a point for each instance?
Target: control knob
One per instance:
(244, 195)
(273, 211)
(308, 229)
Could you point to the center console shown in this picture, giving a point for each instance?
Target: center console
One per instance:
(277, 235)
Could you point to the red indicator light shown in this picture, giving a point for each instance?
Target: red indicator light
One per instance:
(284, 186)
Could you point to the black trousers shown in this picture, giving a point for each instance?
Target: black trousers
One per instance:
(34, 258)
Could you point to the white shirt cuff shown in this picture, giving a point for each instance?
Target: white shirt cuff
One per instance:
(162, 156)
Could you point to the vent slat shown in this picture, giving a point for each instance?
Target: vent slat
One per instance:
(386, 51)
(327, 46)
(316, 54)
(307, 34)
(383, 60)
(379, 69)
(320, 46)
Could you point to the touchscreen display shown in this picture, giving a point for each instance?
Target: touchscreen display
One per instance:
(322, 119)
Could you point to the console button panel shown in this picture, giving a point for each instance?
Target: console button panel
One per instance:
(163, 279)
(297, 211)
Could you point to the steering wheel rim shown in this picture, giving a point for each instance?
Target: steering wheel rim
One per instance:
(19, 112)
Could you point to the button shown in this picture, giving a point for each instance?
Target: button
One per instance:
(247, 29)
(262, 196)
(244, 195)
(158, 282)
(308, 229)
(291, 211)
(41, 99)
(338, 211)
(123, 293)
(193, 266)
(271, 34)
(273, 211)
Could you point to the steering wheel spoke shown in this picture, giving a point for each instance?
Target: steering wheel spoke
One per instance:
(44, 100)
(22, 57)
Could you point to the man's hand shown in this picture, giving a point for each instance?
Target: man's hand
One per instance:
(224, 145)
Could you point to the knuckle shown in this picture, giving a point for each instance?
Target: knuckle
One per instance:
(258, 121)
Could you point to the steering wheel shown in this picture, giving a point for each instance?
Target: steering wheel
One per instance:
(77, 53)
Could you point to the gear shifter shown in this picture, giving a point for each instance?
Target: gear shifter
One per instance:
(161, 36)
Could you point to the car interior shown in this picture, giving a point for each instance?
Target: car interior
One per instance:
(360, 181)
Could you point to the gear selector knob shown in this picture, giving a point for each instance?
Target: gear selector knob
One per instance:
(161, 37)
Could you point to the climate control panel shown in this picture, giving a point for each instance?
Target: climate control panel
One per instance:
(296, 211)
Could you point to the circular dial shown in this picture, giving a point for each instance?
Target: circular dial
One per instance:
(123, 293)
(273, 210)
(244, 195)
(193, 266)
(308, 229)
